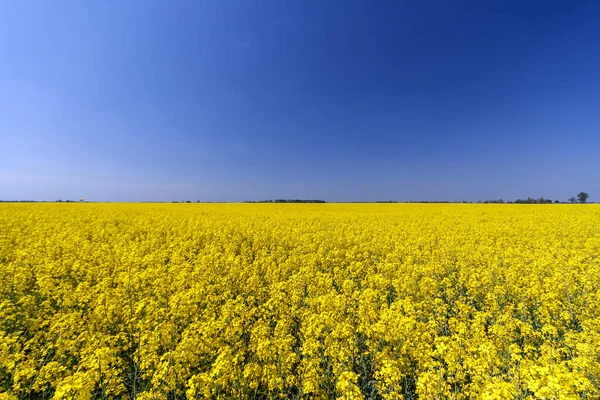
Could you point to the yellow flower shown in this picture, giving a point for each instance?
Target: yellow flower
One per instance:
(350, 301)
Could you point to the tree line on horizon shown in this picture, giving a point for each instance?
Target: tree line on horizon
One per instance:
(286, 201)
(581, 198)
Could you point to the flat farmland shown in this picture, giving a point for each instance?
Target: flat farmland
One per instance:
(374, 301)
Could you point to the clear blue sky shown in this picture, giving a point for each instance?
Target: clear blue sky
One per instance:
(337, 100)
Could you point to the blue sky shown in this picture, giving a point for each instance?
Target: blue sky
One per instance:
(336, 100)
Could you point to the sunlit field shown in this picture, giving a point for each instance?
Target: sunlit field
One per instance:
(348, 301)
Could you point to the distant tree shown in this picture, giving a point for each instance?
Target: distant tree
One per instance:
(572, 200)
(582, 197)
(500, 201)
(556, 201)
(287, 201)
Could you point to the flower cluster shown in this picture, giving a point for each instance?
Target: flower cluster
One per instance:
(153, 301)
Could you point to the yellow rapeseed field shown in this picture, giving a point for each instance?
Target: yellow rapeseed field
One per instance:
(394, 301)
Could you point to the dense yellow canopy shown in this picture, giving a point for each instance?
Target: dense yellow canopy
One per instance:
(299, 300)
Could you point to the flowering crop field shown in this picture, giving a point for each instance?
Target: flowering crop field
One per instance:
(374, 301)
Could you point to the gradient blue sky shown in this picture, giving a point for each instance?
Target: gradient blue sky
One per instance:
(336, 100)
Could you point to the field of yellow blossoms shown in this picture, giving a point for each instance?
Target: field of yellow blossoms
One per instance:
(373, 301)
